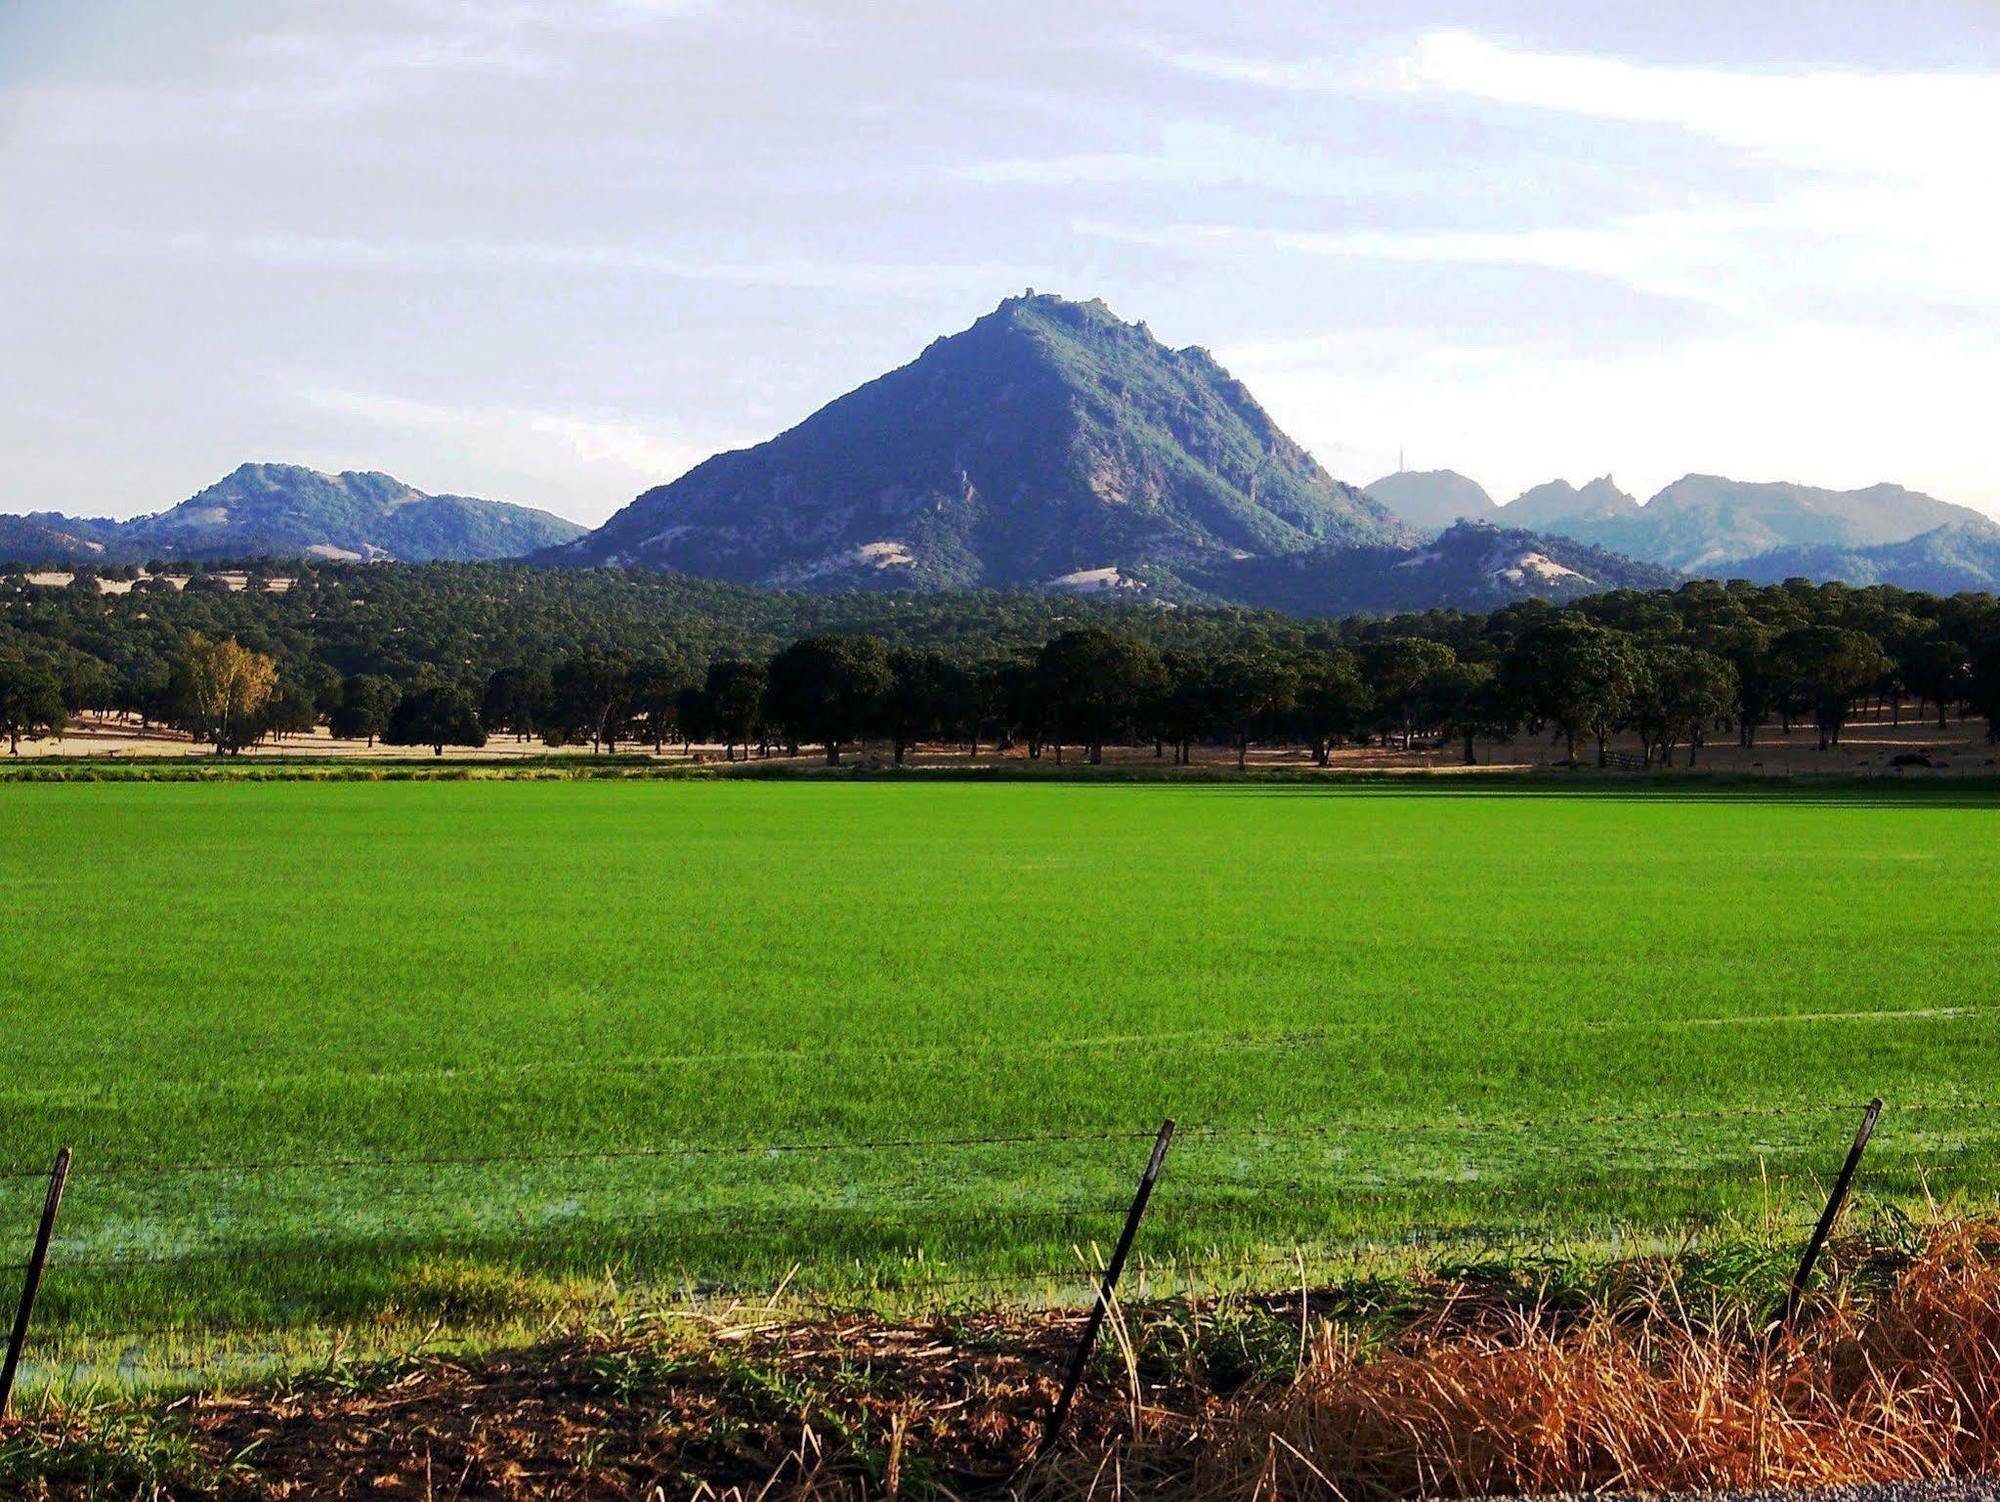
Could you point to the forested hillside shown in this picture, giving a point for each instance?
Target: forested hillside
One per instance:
(442, 653)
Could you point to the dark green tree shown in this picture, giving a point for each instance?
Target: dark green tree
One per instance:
(437, 715)
(1575, 675)
(1468, 700)
(1183, 709)
(1096, 684)
(827, 690)
(366, 702)
(1397, 670)
(1824, 668)
(733, 703)
(31, 702)
(929, 698)
(1333, 702)
(516, 699)
(590, 699)
(1936, 669)
(1681, 691)
(1982, 688)
(653, 689)
(1252, 694)
(292, 709)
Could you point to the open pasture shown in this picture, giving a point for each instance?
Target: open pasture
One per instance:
(333, 1051)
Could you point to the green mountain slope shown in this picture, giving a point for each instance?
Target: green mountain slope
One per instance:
(286, 510)
(1946, 560)
(50, 537)
(1469, 566)
(1049, 438)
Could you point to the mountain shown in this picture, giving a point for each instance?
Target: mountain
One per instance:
(1558, 501)
(1703, 523)
(285, 510)
(1049, 441)
(1468, 566)
(51, 537)
(1432, 499)
(1957, 557)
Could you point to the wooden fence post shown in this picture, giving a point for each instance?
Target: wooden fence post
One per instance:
(58, 1176)
(1095, 1323)
(1795, 1295)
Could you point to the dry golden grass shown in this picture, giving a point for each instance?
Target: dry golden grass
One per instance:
(1660, 1397)
(1893, 1373)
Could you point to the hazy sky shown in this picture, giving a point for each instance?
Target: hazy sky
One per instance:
(554, 253)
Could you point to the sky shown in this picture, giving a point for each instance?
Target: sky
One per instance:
(555, 253)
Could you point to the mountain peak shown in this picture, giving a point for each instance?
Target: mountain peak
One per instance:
(1709, 523)
(1433, 499)
(1559, 501)
(289, 510)
(1049, 438)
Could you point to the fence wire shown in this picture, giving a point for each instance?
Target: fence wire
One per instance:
(1369, 1215)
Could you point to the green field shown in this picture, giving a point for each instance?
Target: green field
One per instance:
(326, 1050)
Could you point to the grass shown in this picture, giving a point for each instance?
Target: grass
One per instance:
(458, 1056)
(1656, 1373)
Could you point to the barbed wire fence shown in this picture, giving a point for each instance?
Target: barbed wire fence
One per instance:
(252, 1267)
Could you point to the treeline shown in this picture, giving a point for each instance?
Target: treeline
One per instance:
(448, 654)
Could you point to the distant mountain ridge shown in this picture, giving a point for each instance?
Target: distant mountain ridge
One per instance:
(1952, 559)
(1048, 441)
(1546, 506)
(1432, 500)
(287, 510)
(1468, 566)
(1706, 523)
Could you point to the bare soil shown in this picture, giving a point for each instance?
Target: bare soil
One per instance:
(1868, 747)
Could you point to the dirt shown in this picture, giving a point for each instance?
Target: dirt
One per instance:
(1868, 749)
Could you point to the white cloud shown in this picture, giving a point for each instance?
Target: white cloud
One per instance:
(1884, 188)
(1920, 126)
(614, 456)
(398, 255)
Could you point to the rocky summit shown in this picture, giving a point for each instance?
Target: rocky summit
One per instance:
(1049, 444)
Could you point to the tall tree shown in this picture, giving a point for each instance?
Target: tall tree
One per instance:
(437, 716)
(590, 699)
(1096, 684)
(293, 709)
(1468, 700)
(516, 699)
(1396, 670)
(1982, 688)
(928, 699)
(1680, 692)
(1333, 702)
(1253, 694)
(653, 688)
(828, 690)
(733, 703)
(1577, 676)
(1823, 668)
(1183, 707)
(366, 702)
(1936, 669)
(31, 702)
(227, 686)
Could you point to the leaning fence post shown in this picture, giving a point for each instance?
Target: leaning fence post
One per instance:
(33, 1282)
(1060, 1414)
(1795, 1295)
